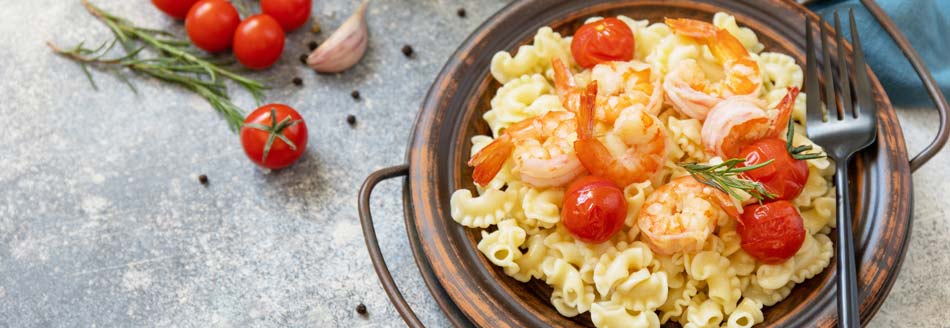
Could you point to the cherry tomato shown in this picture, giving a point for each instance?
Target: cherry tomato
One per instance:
(594, 209)
(785, 176)
(174, 8)
(211, 24)
(291, 14)
(289, 136)
(608, 39)
(771, 233)
(258, 41)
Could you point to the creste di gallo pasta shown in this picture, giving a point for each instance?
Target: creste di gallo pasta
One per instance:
(580, 135)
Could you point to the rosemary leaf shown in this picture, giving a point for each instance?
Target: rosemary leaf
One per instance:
(126, 32)
(727, 177)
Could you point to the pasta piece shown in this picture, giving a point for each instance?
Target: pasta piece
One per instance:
(642, 291)
(746, 315)
(480, 212)
(766, 297)
(529, 263)
(821, 215)
(566, 280)
(542, 207)
(557, 299)
(685, 135)
(608, 315)
(582, 255)
(635, 194)
(731, 241)
(512, 101)
(719, 276)
(678, 300)
(671, 50)
(779, 71)
(742, 262)
(812, 258)
(532, 59)
(706, 314)
(615, 267)
(774, 276)
(815, 187)
(501, 246)
(674, 267)
(647, 35)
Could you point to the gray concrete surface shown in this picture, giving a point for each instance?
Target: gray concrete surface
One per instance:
(103, 222)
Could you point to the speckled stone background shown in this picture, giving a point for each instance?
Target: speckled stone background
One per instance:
(103, 221)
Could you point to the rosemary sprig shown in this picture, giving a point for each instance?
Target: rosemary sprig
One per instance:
(170, 71)
(727, 177)
(799, 152)
(171, 48)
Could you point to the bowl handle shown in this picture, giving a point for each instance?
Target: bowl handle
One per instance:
(932, 87)
(372, 244)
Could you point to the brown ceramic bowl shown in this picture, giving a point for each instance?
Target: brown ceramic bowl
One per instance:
(472, 291)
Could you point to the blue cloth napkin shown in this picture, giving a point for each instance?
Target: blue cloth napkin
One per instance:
(925, 23)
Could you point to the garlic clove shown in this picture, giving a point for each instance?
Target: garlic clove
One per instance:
(345, 46)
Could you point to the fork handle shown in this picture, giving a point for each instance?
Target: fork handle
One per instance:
(847, 273)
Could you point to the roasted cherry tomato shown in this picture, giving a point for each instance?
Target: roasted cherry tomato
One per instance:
(291, 14)
(608, 39)
(771, 233)
(258, 41)
(211, 24)
(274, 136)
(174, 8)
(785, 176)
(594, 209)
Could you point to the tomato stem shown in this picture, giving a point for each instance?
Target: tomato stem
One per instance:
(275, 131)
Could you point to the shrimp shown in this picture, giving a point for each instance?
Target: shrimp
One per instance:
(740, 120)
(620, 85)
(680, 215)
(685, 88)
(683, 85)
(542, 149)
(640, 132)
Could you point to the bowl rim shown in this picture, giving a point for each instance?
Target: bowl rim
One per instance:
(889, 160)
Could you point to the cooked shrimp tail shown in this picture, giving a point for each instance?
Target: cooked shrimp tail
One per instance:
(563, 80)
(742, 71)
(565, 85)
(489, 160)
(784, 112)
(691, 28)
(585, 118)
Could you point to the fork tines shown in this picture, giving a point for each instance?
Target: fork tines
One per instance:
(854, 97)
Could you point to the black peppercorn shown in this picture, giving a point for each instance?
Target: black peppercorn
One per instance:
(355, 94)
(407, 50)
(461, 12)
(298, 81)
(313, 45)
(303, 59)
(351, 120)
(361, 309)
(203, 179)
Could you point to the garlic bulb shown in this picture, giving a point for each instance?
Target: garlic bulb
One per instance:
(345, 46)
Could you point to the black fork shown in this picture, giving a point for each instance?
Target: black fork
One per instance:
(848, 125)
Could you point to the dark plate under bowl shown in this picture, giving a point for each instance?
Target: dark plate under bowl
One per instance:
(451, 115)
